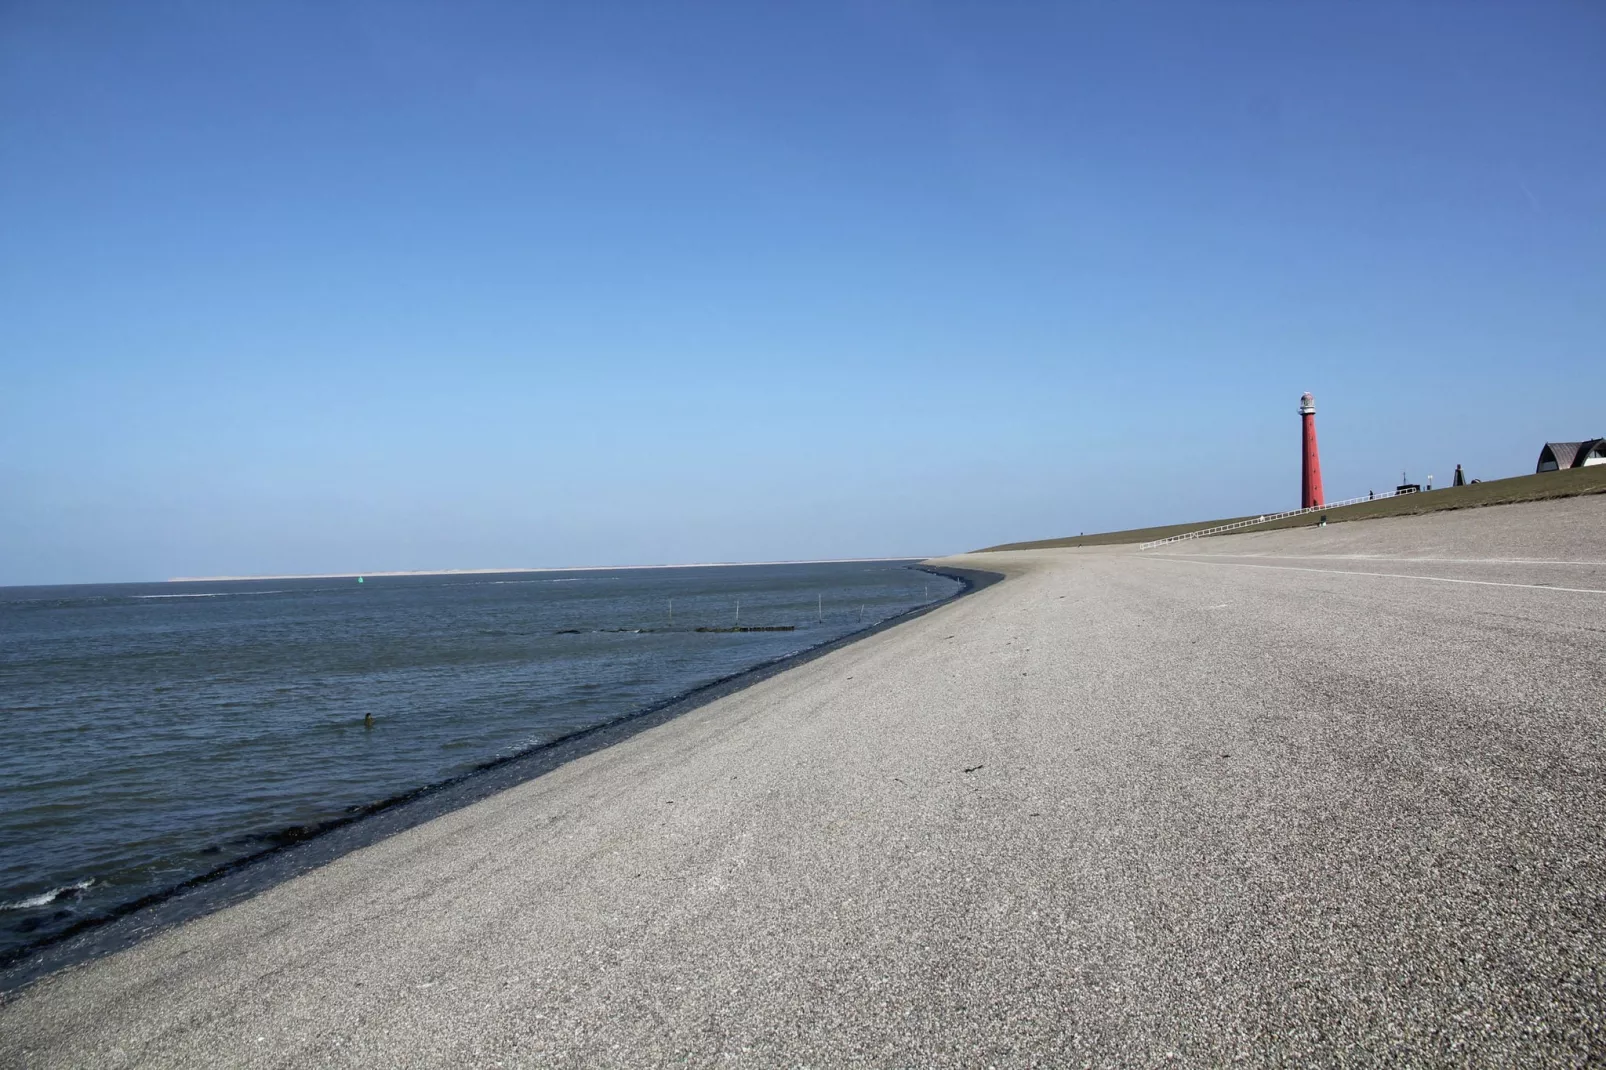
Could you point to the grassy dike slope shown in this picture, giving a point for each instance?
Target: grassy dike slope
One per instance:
(1530, 488)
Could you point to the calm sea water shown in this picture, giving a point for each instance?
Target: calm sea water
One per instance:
(152, 732)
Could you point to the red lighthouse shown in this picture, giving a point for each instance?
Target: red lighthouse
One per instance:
(1310, 487)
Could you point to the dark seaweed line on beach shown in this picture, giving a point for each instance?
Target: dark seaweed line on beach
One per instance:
(301, 848)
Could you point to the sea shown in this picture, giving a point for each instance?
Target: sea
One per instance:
(154, 733)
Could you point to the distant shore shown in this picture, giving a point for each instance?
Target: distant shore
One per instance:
(508, 571)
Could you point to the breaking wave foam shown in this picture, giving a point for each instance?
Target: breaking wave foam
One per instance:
(44, 899)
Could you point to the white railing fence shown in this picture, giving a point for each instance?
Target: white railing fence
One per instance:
(1254, 521)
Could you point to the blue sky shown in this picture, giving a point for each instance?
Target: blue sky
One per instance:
(313, 287)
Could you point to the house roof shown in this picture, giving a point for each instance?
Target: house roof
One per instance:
(1560, 452)
(1570, 454)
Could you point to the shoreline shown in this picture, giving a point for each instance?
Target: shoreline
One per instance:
(300, 849)
(1123, 809)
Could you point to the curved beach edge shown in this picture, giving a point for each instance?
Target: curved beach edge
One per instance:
(303, 849)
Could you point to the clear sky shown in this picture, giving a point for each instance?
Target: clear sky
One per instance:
(336, 286)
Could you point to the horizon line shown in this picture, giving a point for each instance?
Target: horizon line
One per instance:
(522, 569)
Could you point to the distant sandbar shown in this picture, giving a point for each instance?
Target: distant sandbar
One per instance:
(502, 571)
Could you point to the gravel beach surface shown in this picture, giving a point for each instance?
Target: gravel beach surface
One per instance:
(1319, 797)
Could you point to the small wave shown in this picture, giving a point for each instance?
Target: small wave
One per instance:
(560, 579)
(44, 899)
(54, 603)
(211, 594)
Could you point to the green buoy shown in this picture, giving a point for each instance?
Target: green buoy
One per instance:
(359, 579)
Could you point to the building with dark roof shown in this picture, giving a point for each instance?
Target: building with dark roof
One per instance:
(1557, 455)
